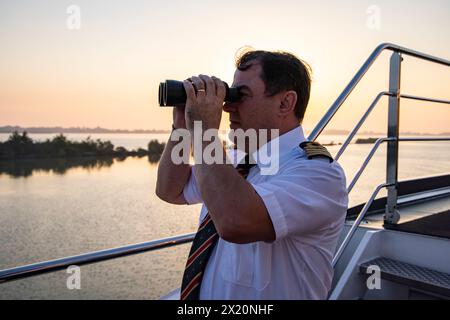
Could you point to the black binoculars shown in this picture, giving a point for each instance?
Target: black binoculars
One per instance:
(172, 93)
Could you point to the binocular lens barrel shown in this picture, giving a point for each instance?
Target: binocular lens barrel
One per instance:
(172, 93)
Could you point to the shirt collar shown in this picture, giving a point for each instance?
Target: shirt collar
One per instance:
(286, 142)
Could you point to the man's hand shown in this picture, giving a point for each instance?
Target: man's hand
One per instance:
(179, 121)
(204, 102)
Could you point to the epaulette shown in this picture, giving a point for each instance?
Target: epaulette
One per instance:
(315, 149)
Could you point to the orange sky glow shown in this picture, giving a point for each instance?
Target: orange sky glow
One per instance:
(107, 72)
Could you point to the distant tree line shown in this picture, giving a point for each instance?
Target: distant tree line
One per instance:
(366, 140)
(21, 146)
(10, 129)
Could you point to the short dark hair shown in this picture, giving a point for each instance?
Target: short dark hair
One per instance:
(280, 71)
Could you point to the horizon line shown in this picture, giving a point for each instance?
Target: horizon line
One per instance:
(78, 129)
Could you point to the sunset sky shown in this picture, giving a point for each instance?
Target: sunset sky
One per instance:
(107, 72)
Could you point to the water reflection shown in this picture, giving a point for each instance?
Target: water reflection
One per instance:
(26, 167)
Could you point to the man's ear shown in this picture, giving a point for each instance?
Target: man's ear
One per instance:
(288, 102)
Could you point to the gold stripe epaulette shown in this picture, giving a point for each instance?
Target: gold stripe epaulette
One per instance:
(315, 149)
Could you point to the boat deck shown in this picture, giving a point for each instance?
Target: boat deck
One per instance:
(428, 217)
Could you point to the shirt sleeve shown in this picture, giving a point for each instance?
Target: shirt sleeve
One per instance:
(191, 192)
(305, 198)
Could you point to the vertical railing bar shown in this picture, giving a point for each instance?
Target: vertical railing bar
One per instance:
(391, 215)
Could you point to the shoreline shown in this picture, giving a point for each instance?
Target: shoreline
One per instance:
(21, 146)
(7, 129)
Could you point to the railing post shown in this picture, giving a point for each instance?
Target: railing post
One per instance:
(391, 215)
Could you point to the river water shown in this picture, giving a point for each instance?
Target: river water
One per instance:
(51, 209)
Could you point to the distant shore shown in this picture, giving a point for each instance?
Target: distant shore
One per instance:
(20, 146)
(57, 130)
(99, 130)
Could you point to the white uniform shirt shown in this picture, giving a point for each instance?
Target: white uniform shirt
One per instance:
(307, 202)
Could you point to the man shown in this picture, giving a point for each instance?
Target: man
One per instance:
(268, 236)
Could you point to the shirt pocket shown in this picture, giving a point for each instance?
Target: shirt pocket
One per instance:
(237, 263)
(262, 262)
(247, 264)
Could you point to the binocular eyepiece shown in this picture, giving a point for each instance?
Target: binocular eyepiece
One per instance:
(172, 93)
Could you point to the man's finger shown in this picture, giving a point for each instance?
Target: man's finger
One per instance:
(210, 85)
(220, 88)
(189, 88)
(199, 86)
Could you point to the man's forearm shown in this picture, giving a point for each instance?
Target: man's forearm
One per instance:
(237, 210)
(224, 192)
(172, 177)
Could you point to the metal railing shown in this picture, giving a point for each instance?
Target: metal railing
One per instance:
(367, 205)
(370, 109)
(91, 257)
(391, 215)
(360, 74)
(357, 222)
(394, 97)
(372, 152)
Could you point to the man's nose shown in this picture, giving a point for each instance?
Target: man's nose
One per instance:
(230, 107)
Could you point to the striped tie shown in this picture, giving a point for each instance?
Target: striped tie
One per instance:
(202, 246)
